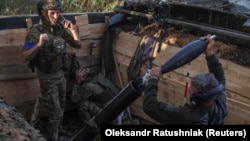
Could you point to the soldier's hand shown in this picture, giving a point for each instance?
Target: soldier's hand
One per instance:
(81, 75)
(156, 73)
(68, 25)
(42, 39)
(210, 46)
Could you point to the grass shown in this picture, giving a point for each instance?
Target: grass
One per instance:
(26, 7)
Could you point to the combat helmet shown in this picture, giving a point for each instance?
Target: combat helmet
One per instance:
(48, 5)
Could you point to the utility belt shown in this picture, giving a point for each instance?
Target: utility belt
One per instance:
(51, 63)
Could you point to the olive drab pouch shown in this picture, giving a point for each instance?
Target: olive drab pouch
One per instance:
(50, 63)
(32, 64)
(71, 64)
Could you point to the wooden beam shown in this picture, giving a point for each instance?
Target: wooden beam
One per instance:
(15, 72)
(12, 36)
(82, 20)
(16, 92)
(10, 54)
(28, 23)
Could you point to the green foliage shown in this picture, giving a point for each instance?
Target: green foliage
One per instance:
(17, 7)
(24, 7)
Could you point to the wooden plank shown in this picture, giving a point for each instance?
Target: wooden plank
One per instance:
(243, 105)
(12, 36)
(14, 72)
(89, 31)
(122, 59)
(237, 115)
(85, 49)
(82, 20)
(237, 97)
(90, 61)
(83, 30)
(28, 23)
(10, 55)
(97, 29)
(126, 43)
(238, 78)
(16, 92)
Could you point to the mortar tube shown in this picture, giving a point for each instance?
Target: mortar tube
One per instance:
(119, 103)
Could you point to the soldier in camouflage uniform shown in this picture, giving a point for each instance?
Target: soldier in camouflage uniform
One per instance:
(91, 92)
(45, 49)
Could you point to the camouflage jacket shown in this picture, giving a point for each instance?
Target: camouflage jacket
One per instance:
(51, 56)
(97, 89)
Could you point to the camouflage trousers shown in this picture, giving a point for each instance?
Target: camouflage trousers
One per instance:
(87, 109)
(53, 99)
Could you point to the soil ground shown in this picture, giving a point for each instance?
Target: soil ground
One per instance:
(235, 53)
(231, 52)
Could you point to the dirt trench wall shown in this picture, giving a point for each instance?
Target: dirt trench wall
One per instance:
(14, 126)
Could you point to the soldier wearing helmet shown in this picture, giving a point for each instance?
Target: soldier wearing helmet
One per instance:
(45, 50)
(91, 92)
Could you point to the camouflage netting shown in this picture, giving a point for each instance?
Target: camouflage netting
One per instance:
(14, 127)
